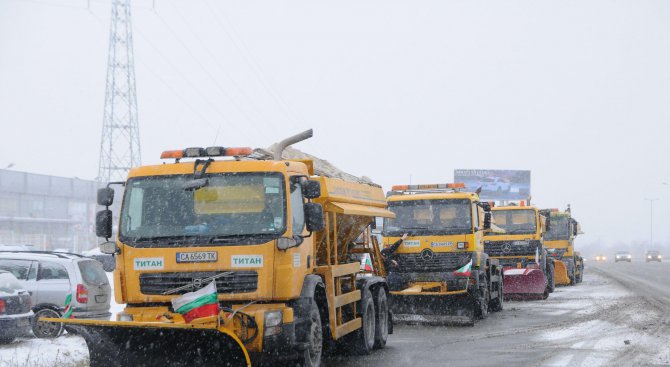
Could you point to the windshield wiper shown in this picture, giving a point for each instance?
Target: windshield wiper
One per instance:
(239, 238)
(156, 239)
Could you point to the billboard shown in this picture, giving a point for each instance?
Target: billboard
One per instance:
(496, 184)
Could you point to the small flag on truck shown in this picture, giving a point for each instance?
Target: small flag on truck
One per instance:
(201, 303)
(465, 270)
(366, 263)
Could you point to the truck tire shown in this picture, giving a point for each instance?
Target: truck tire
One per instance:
(497, 303)
(362, 341)
(382, 318)
(312, 355)
(551, 283)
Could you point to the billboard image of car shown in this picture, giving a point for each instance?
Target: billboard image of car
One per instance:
(496, 184)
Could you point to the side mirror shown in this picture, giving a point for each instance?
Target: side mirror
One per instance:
(485, 206)
(105, 196)
(487, 220)
(311, 189)
(314, 218)
(103, 223)
(547, 224)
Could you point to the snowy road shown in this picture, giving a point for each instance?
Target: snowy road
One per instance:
(586, 325)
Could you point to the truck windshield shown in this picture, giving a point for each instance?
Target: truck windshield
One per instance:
(559, 229)
(515, 221)
(429, 217)
(232, 208)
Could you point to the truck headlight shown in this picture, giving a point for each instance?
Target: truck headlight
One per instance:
(273, 322)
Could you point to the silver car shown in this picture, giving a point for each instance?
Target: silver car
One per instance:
(50, 277)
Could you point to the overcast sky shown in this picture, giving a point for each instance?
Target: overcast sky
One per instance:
(576, 91)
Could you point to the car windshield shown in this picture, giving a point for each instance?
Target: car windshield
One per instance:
(92, 272)
(515, 221)
(429, 217)
(19, 268)
(559, 229)
(159, 211)
(8, 283)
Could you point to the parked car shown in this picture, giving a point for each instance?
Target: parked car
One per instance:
(50, 277)
(622, 256)
(652, 256)
(15, 308)
(495, 184)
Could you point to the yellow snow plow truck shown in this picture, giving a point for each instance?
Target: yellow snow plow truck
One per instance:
(527, 273)
(280, 248)
(560, 243)
(440, 272)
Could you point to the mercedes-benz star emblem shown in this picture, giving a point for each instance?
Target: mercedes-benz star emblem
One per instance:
(427, 254)
(507, 247)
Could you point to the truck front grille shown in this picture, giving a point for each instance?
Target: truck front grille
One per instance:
(512, 248)
(439, 262)
(231, 282)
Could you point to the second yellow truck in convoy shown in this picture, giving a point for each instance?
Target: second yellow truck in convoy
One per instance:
(560, 243)
(280, 244)
(521, 252)
(441, 272)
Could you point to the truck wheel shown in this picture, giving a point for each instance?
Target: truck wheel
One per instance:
(496, 304)
(312, 355)
(551, 284)
(43, 329)
(363, 340)
(382, 318)
(482, 304)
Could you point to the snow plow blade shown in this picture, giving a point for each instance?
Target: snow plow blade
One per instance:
(148, 344)
(524, 284)
(442, 309)
(561, 273)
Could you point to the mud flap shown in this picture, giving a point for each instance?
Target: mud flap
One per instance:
(524, 284)
(143, 346)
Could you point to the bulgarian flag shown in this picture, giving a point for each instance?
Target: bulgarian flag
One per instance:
(465, 270)
(201, 303)
(367, 264)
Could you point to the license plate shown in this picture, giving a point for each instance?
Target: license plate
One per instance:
(197, 257)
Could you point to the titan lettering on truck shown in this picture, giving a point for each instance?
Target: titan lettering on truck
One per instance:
(226, 255)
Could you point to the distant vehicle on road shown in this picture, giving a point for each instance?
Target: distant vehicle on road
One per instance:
(15, 312)
(50, 277)
(495, 184)
(622, 256)
(601, 258)
(652, 255)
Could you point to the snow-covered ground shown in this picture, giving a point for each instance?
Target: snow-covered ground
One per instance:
(613, 318)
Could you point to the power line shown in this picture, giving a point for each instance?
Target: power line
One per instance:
(255, 67)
